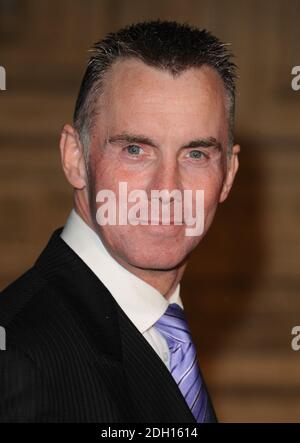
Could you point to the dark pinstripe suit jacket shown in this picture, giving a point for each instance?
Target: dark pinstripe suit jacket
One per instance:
(73, 355)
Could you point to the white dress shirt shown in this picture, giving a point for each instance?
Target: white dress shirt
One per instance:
(141, 302)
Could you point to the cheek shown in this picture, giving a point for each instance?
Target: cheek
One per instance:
(211, 184)
(104, 173)
(212, 194)
(208, 180)
(108, 171)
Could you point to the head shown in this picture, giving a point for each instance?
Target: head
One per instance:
(155, 110)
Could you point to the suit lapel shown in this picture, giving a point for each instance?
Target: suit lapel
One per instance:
(138, 380)
(95, 313)
(155, 392)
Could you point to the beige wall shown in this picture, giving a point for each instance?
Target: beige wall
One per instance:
(241, 290)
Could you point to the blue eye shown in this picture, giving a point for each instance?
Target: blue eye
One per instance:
(196, 154)
(133, 149)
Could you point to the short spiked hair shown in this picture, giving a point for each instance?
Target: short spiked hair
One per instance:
(166, 45)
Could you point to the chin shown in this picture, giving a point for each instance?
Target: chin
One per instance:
(150, 251)
(162, 260)
(154, 265)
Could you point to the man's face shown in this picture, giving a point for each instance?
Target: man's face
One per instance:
(150, 131)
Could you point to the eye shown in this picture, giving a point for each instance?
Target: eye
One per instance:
(133, 149)
(195, 154)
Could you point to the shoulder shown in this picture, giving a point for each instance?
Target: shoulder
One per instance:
(15, 297)
(30, 308)
(20, 379)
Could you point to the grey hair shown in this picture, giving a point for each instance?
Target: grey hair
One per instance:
(166, 45)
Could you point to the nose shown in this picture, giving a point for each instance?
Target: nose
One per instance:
(165, 178)
(165, 194)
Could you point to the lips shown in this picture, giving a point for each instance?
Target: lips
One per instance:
(157, 222)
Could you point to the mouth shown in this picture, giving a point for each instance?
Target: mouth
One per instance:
(158, 222)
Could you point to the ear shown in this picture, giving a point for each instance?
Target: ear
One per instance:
(232, 168)
(72, 157)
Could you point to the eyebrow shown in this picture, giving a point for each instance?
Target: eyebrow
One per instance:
(207, 142)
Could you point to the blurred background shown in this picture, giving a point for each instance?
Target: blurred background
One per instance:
(242, 288)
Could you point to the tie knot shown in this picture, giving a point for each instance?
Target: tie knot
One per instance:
(173, 325)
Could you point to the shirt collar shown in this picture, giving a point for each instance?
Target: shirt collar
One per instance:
(141, 302)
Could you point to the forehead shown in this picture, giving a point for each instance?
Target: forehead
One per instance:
(137, 94)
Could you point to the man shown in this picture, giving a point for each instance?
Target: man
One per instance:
(96, 329)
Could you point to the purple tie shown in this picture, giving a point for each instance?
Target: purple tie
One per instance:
(183, 360)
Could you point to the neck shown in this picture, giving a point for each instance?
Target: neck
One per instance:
(164, 281)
